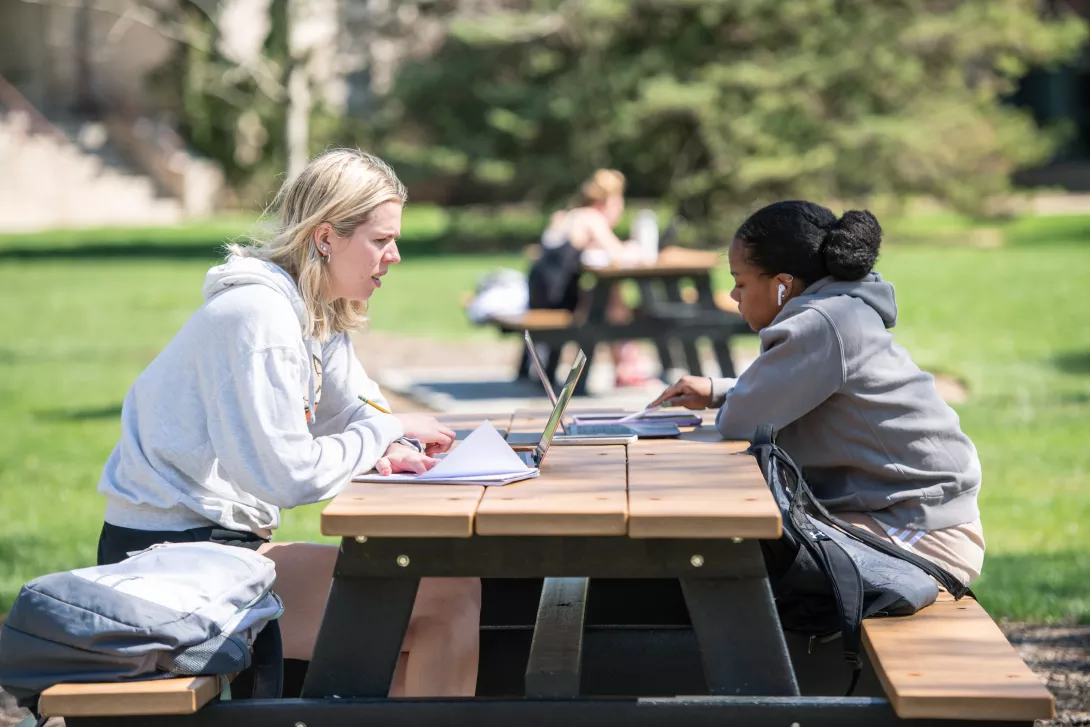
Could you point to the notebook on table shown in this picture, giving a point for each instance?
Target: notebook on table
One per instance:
(680, 418)
(485, 457)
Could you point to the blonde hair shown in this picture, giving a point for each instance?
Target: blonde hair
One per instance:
(605, 183)
(341, 187)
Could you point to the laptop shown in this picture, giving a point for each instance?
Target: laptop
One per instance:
(534, 457)
(602, 430)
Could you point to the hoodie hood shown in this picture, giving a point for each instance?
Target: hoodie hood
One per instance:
(870, 289)
(252, 271)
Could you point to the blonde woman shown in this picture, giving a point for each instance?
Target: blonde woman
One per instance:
(253, 407)
(581, 236)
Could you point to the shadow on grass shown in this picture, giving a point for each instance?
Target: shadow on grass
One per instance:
(1072, 362)
(149, 250)
(1036, 587)
(80, 415)
(213, 248)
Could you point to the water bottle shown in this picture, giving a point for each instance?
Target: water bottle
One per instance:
(645, 231)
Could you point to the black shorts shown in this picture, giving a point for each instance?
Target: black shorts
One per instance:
(115, 542)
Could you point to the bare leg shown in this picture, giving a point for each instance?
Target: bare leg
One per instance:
(443, 635)
(304, 572)
(443, 640)
(628, 361)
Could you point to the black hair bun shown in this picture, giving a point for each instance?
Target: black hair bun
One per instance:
(851, 246)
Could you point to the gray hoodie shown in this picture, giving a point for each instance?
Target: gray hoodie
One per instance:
(866, 425)
(223, 427)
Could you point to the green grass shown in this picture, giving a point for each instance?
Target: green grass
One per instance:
(81, 321)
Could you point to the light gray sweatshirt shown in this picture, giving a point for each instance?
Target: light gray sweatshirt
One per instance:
(865, 424)
(223, 427)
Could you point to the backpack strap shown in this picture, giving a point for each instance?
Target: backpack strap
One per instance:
(844, 578)
(947, 580)
(847, 586)
(268, 663)
(765, 434)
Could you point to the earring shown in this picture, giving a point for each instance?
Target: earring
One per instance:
(328, 254)
(782, 289)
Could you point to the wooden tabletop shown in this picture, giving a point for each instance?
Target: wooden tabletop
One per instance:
(693, 487)
(671, 261)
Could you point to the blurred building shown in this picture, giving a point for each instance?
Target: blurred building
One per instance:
(79, 145)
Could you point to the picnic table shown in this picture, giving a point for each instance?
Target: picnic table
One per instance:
(668, 314)
(625, 585)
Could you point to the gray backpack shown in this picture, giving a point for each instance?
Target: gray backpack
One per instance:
(171, 610)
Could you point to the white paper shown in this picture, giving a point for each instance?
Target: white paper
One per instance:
(483, 456)
(484, 452)
(489, 481)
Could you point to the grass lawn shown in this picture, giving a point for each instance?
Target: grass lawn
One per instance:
(84, 313)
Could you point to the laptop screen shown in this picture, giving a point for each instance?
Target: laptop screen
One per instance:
(561, 404)
(532, 353)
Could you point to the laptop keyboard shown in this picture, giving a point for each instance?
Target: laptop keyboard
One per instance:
(602, 429)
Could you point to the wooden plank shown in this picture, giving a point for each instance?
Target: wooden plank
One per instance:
(402, 511)
(538, 319)
(184, 695)
(556, 653)
(581, 491)
(697, 487)
(950, 661)
(672, 261)
(367, 509)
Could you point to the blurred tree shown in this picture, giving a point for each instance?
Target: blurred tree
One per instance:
(719, 105)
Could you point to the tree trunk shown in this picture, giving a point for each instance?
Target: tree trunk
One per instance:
(297, 126)
(85, 104)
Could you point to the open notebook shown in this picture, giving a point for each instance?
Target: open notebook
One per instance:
(483, 458)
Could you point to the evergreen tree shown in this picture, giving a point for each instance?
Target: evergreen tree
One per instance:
(721, 104)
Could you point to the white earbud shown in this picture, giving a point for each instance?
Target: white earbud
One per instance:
(782, 289)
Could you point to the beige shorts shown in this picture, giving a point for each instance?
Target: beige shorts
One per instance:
(959, 549)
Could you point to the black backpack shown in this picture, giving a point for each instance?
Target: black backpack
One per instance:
(828, 575)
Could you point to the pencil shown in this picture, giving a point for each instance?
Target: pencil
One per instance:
(367, 401)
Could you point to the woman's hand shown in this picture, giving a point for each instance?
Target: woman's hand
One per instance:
(436, 437)
(691, 392)
(402, 458)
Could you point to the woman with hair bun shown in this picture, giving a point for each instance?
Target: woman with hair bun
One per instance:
(875, 441)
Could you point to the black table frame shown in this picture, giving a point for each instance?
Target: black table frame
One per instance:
(748, 671)
(662, 317)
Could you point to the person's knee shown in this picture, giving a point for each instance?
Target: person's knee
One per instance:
(447, 603)
(304, 572)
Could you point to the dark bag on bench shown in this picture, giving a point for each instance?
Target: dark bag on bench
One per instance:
(828, 575)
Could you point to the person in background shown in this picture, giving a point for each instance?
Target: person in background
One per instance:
(583, 235)
(874, 439)
(254, 407)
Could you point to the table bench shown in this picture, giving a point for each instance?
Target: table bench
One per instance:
(622, 577)
(183, 695)
(950, 661)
